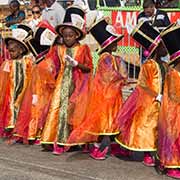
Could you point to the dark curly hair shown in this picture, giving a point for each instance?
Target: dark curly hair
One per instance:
(15, 2)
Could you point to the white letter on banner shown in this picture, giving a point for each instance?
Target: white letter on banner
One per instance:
(119, 19)
(131, 18)
(169, 15)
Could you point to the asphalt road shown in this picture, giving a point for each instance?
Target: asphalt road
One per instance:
(23, 162)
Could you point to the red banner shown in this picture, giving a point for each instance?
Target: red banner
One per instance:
(121, 18)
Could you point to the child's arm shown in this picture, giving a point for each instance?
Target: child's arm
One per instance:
(85, 63)
(148, 70)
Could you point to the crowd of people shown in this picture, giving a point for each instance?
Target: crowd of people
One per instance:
(51, 97)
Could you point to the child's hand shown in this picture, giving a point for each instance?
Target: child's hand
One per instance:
(34, 99)
(71, 61)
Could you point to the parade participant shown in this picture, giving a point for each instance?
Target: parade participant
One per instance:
(138, 118)
(34, 108)
(168, 126)
(16, 16)
(36, 12)
(75, 65)
(15, 74)
(105, 95)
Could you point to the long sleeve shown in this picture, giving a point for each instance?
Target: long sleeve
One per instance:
(149, 77)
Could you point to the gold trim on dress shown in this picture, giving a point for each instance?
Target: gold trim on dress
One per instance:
(133, 149)
(103, 134)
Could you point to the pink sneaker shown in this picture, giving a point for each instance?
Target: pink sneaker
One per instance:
(37, 142)
(57, 150)
(117, 150)
(174, 173)
(94, 151)
(148, 160)
(99, 155)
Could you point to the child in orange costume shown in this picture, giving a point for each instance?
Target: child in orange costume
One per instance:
(138, 118)
(73, 79)
(105, 97)
(37, 97)
(15, 75)
(169, 120)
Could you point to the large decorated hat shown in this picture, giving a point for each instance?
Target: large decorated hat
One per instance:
(104, 34)
(74, 18)
(171, 39)
(40, 44)
(145, 35)
(21, 34)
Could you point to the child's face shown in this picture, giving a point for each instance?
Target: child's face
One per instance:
(15, 50)
(112, 48)
(161, 50)
(69, 36)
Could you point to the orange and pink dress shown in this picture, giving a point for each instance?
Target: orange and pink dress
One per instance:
(169, 122)
(15, 76)
(105, 99)
(32, 114)
(69, 99)
(138, 118)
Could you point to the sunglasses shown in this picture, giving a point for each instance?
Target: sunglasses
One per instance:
(35, 12)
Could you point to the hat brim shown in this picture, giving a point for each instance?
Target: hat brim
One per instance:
(174, 58)
(170, 28)
(41, 56)
(136, 28)
(59, 29)
(173, 61)
(38, 55)
(118, 38)
(20, 42)
(153, 46)
(151, 52)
